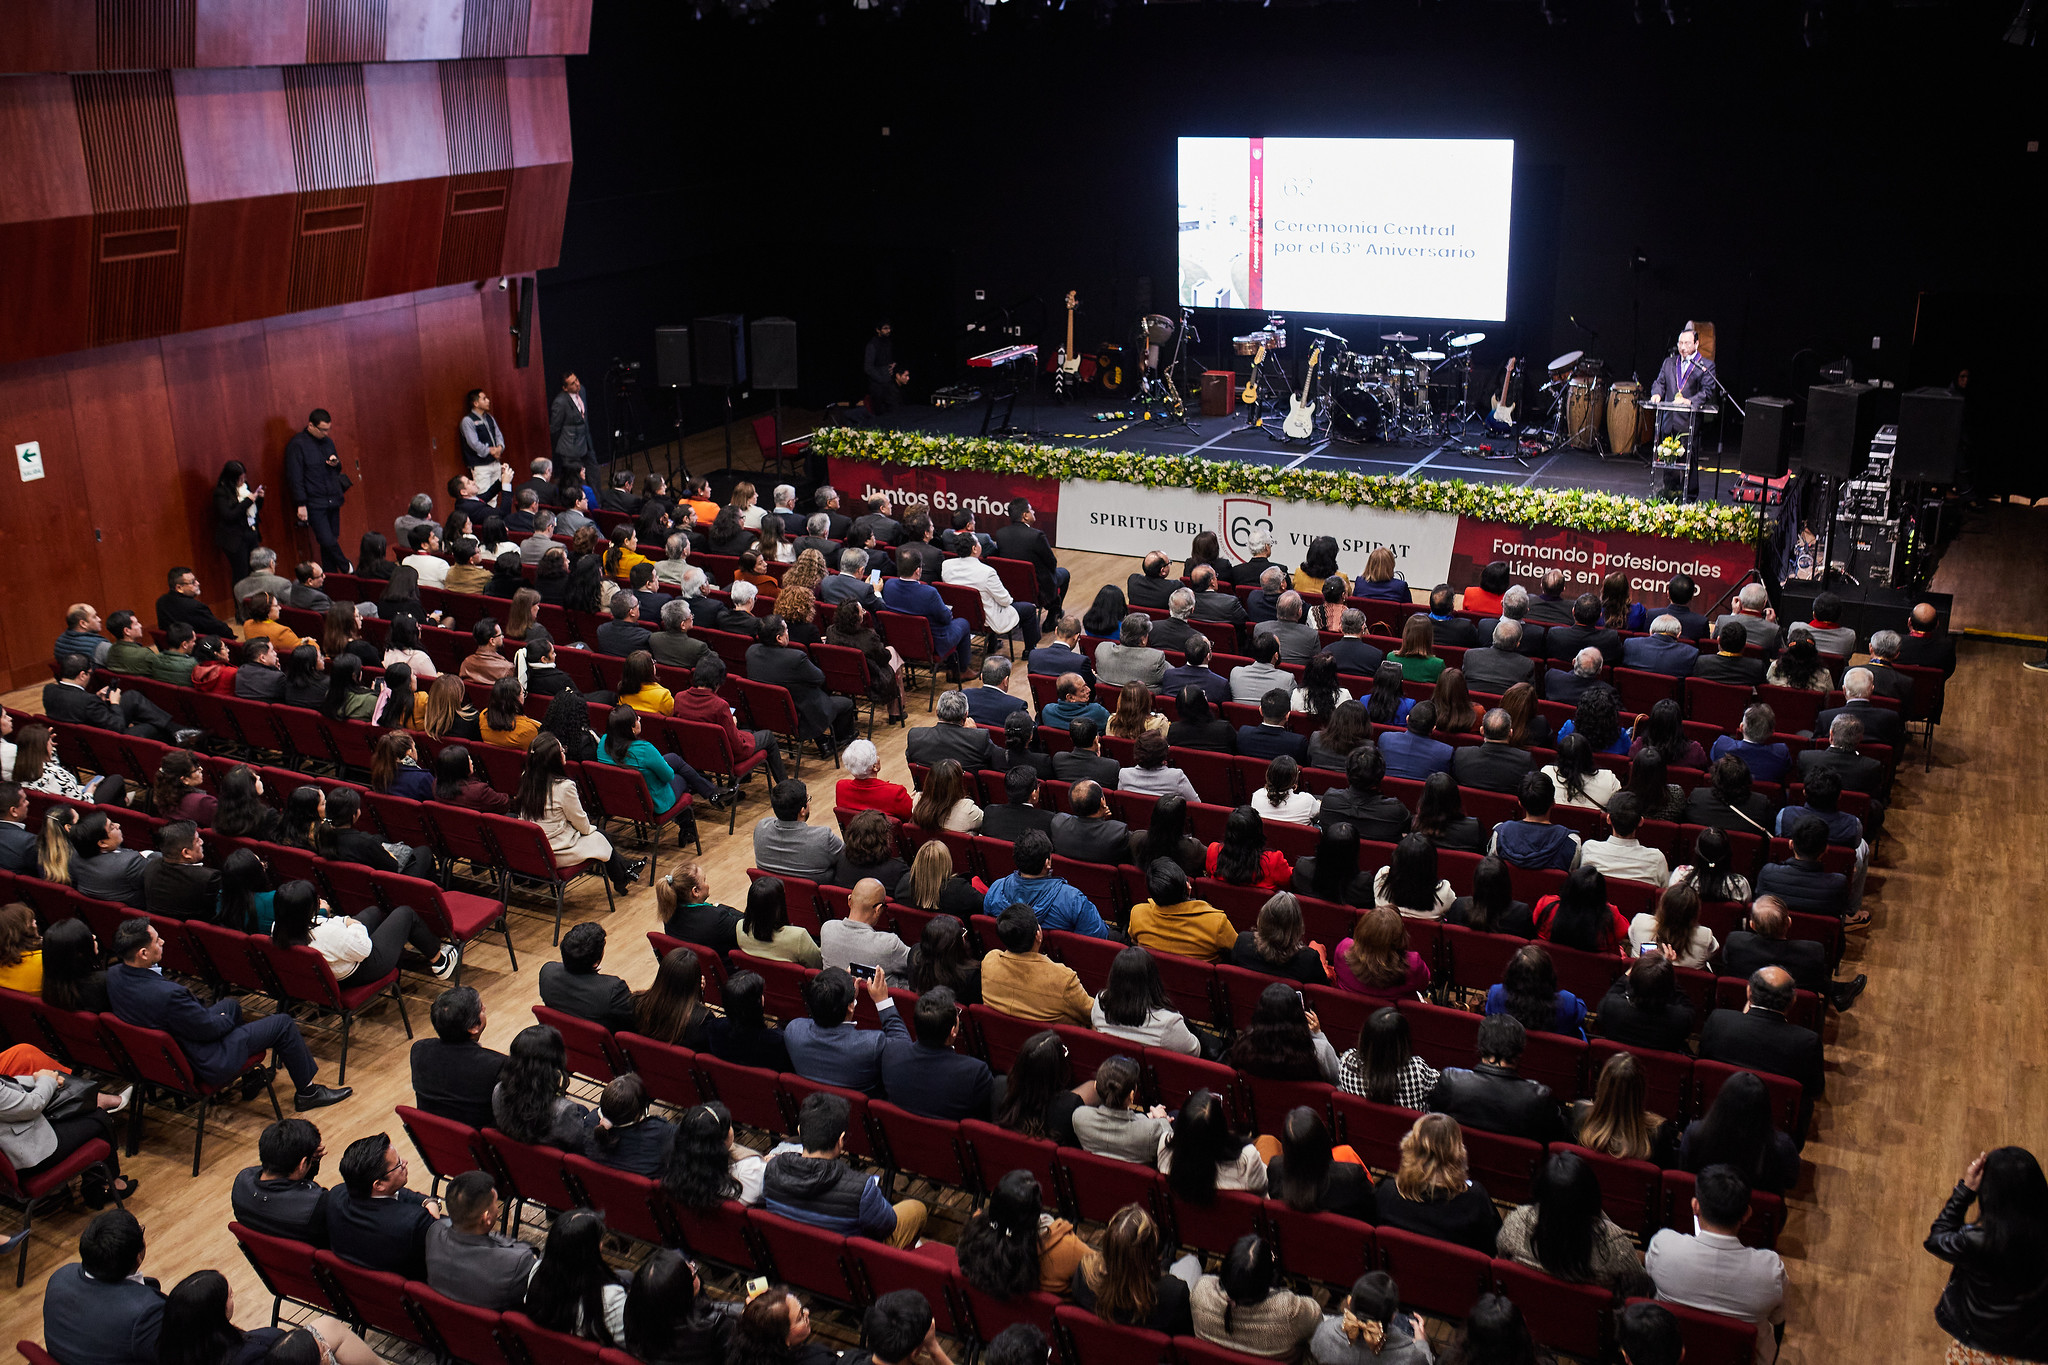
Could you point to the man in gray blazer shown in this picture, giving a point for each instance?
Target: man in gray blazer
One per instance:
(1128, 658)
(1298, 639)
(568, 423)
(952, 737)
(1500, 665)
(467, 1259)
(787, 843)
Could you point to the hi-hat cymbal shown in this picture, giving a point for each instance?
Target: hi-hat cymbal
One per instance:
(1397, 336)
(1426, 355)
(1460, 342)
(1323, 332)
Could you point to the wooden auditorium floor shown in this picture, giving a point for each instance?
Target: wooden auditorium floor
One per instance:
(1940, 1058)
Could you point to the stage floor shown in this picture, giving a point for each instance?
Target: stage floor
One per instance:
(1229, 438)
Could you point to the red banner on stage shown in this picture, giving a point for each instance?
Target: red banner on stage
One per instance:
(944, 491)
(1587, 557)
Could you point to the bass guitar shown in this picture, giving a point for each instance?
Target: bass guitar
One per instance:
(1301, 414)
(1066, 375)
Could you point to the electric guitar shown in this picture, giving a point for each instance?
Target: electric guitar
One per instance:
(1301, 414)
(1502, 419)
(1067, 373)
(1251, 385)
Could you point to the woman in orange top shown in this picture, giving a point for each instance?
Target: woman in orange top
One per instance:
(751, 570)
(261, 611)
(501, 723)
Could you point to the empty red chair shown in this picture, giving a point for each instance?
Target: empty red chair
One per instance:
(801, 1254)
(1567, 1317)
(375, 1298)
(286, 1269)
(1441, 1278)
(446, 1147)
(1097, 1186)
(922, 1146)
(592, 1052)
(668, 1070)
(994, 1152)
(304, 976)
(633, 1204)
(882, 1269)
(535, 1173)
(539, 1346)
(1318, 1246)
(457, 1331)
(1505, 1165)
(753, 1096)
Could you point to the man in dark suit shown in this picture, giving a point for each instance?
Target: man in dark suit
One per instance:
(215, 1040)
(1411, 753)
(917, 540)
(1885, 678)
(1881, 724)
(1492, 1096)
(1174, 632)
(1928, 646)
(1350, 650)
(877, 522)
(816, 537)
(1681, 591)
(1253, 570)
(373, 1220)
(907, 592)
(850, 583)
(1494, 765)
(281, 1195)
(1446, 627)
(182, 603)
(1271, 738)
(1085, 762)
(179, 884)
(623, 633)
(259, 678)
(1264, 605)
(542, 484)
(568, 425)
(1213, 603)
(1498, 666)
(1568, 685)
(575, 985)
(1661, 651)
(1859, 772)
(837, 523)
(462, 495)
(1765, 943)
(1800, 881)
(825, 717)
(1152, 587)
(97, 1310)
(19, 850)
(1061, 655)
(1729, 665)
(316, 486)
(1022, 540)
(453, 1072)
(1088, 835)
(641, 586)
(620, 497)
(1685, 377)
(1548, 608)
(1514, 606)
(1585, 629)
(1021, 811)
(1196, 673)
(1759, 1036)
(1360, 802)
(992, 702)
(952, 737)
(1766, 759)
(71, 699)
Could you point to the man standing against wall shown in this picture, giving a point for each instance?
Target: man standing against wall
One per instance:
(312, 471)
(569, 422)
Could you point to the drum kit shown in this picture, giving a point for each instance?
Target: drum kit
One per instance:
(1398, 393)
(1595, 413)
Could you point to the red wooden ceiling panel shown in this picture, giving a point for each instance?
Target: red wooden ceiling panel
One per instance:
(422, 30)
(538, 88)
(235, 134)
(558, 26)
(251, 32)
(406, 129)
(42, 157)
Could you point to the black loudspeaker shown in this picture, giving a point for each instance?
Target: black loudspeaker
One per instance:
(523, 329)
(1767, 437)
(774, 346)
(672, 357)
(1840, 420)
(719, 346)
(1930, 436)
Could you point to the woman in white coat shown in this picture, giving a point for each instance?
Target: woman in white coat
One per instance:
(548, 797)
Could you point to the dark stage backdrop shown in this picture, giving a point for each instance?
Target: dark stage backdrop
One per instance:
(1803, 199)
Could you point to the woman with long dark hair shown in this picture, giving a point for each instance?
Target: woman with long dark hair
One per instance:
(1204, 1155)
(1009, 1247)
(1563, 1232)
(568, 720)
(1166, 835)
(1284, 1041)
(243, 813)
(573, 1290)
(662, 772)
(1346, 731)
(1739, 1130)
(943, 803)
(1675, 928)
(529, 1102)
(707, 1165)
(1310, 1173)
(1242, 858)
(1996, 1301)
(1417, 655)
(1578, 780)
(373, 560)
(764, 929)
(237, 510)
(1616, 611)
(548, 796)
(743, 1035)
(1319, 693)
(1598, 718)
(1456, 712)
(456, 783)
(1409, 882)
(1712, 869)
(1491, 907)
(502, 722)
(1376, 962)
(587, 589)
(551, 576)
(394, 768)
(1660, 798)
(1134, 717)
(37, 767)
(1645, 1009)
(1388, 705)
(669, 1321)
(1105, 615)
(347, 696)
(341, 633)
(1580, 916)
(73, 977)
(1278, 944)
(671, 1009)
(1495, 1334)
(1206, 548)
(1527, 726)
(1440, 816)
(1133, 1006)
(850, 630)
(1663, 726)
(363, 946)
(639, 690)
(397, 699)
(198, 1328)
(1384, 1067)
(304, 810)
(401, 595)
(775, 1328)
(1617, 1121)
(1040, 1098)
(1528, 990)
(942, 955)
(179, 790)
(247, 902)
(1120, 1279)
(1800, 664)
(1241, 1308)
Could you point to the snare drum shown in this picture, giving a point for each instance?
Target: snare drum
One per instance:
(1583, 401)
(1628, 422)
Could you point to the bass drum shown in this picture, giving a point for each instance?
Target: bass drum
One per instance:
(1114, 372)
(1582, 412)
(1628, 422)
(1358, 412)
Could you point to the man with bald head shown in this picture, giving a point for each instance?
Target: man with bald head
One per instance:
(859, 938)
(1152, 587)
(1928, 646)
(1765, 941)
(1568, 686)
(1759, 1037)
(1298, 639)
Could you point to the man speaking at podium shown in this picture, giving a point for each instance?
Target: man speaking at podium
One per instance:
(1686, 377)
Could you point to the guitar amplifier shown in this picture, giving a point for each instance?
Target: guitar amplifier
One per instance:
(1219, 393)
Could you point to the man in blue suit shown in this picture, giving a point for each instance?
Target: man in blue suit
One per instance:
(1411, 753)
(1661, 651)
(97, 1311)
(991, 703)
(1062, 656)
(215, 1040)
(909, 594)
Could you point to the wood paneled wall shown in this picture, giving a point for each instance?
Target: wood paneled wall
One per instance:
(127, 35)
(134, 435)
(144, 203)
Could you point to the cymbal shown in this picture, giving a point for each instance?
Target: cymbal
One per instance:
(1323, 332)
(1397, 336)
(1460, 342)
(1568, 358)
(1426, 355)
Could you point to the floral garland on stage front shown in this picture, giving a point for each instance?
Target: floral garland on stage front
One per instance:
(1580, 509)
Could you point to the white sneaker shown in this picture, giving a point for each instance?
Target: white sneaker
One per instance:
(450, 958)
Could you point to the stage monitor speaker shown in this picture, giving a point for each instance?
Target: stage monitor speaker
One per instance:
(1767, 437)
(672, 357)
(774, 345)
(1840, 420)
(1930, 436)
(719, 346)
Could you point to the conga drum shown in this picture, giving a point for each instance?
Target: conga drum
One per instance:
(1624, 416)
(1582, 411)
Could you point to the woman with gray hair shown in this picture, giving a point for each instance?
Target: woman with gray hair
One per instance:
(861, 789)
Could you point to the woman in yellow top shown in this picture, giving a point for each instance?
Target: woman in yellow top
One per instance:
(639, 690)
(501, 723)
(21, 950)
(624, 555)
(261, 611)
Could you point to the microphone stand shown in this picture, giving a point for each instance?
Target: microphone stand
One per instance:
(1720, 432)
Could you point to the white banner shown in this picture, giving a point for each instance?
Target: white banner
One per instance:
(1125, 519)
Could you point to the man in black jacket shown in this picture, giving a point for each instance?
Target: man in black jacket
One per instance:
(19, 850)
(182, 603)
(1859, 772)
(259, 678)
(1548, 607)
(1360, 802)
(1760, 1037)
(97, 1310)
(1021, 811)
(1800, 881)
(1585, 629)
(1060, 655)
(1765, 943)
(1152, 587)
(575, 985)
(952, 737)
(72, 699)
(282, 1196)
(1214, 602)
(1495, 764)
(824, 717)
(1570, 685)
(373, 1220)
(1350, 650)
(877, 522)
(1271, 737)
(1022, 540)
(1085, 761)
(312, 474)
(453, 1073)
(1729, 664)
(926, 1076)
(1927, 646)
(622, 634)
(1491, 1095)
(1253, 570)
(179, 885)
(1089, 835)
(1445, 625)
(1496, 667)
(917, 540)
(1881, 724)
